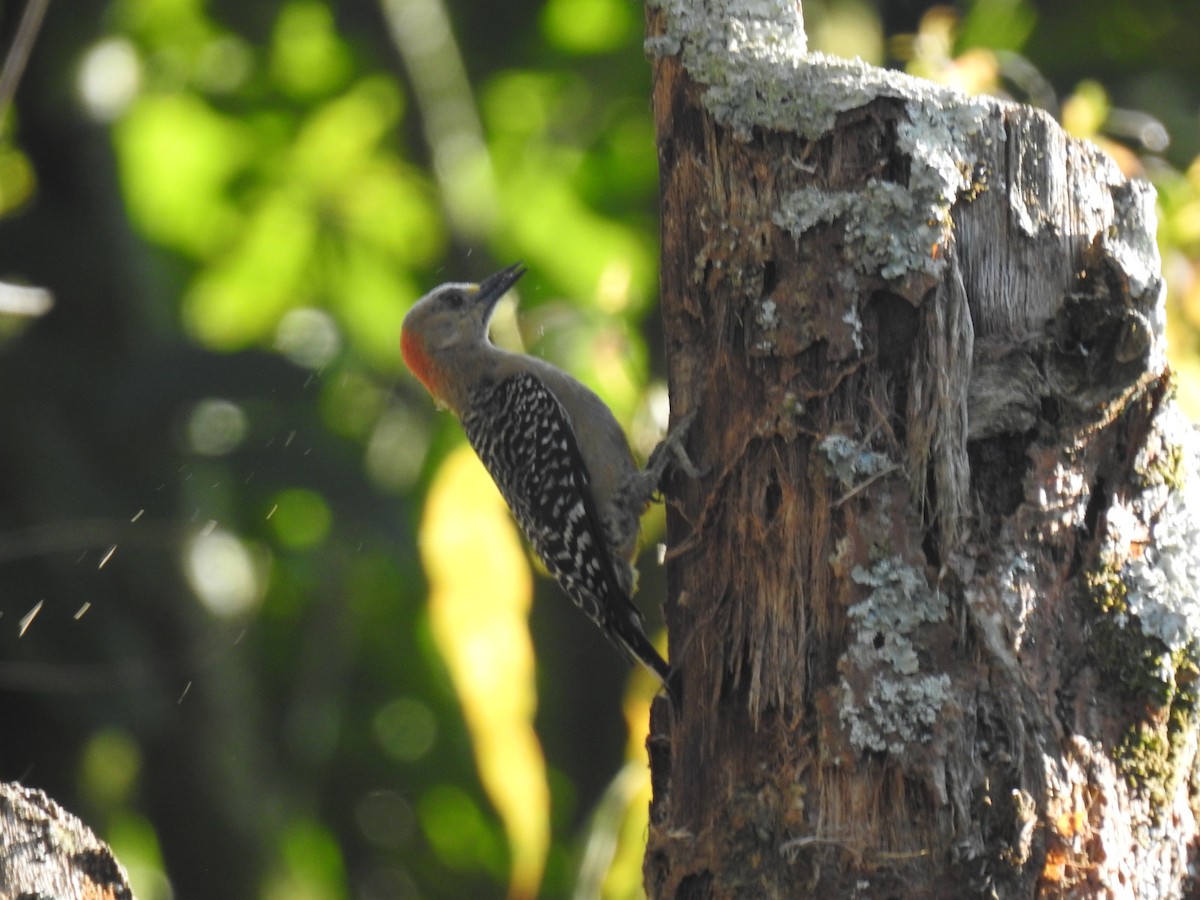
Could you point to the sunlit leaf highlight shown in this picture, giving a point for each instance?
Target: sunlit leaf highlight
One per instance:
(480, 592)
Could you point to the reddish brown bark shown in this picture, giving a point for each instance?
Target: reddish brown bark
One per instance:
(921, 650)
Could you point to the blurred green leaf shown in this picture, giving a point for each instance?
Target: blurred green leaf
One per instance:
(109, 769)
(134, 843)
(406, 729)
(240, 298)
(546, 214)
(997, 24)
(17, 179)
(458, 832)
(177, 158)
(371, 301)
(341, 137)
(310, 866)
(1084, 112)
(590, 26)
(300, 518)
(308, 59)
(178, 24)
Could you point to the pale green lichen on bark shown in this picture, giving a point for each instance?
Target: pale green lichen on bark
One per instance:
(750, 59)
(1144, 637)
(900, 705)
(851, 462)
(887, 703)
(1161, 582)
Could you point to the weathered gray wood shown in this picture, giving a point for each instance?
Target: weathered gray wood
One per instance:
(932, 603)
(47, 852)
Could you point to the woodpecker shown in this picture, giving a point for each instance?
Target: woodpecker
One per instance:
(554, 449)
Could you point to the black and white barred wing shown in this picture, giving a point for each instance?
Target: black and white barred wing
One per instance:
(524, 438)
(526, 441)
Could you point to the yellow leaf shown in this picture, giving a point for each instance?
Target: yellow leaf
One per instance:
(481, 591)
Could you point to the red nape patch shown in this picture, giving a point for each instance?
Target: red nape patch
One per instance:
(417, 360)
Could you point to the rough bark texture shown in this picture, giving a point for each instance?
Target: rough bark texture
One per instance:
(933, 602)
(47, 852)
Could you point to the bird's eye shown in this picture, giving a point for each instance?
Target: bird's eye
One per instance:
(455, 300)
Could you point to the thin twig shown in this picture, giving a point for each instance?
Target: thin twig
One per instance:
(18, 54)
(863, 485)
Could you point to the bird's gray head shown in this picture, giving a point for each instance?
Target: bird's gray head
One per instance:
(451, 316)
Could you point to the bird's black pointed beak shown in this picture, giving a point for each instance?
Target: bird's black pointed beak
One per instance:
(492, 288)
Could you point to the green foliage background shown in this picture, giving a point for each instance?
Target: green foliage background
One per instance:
(215, 641)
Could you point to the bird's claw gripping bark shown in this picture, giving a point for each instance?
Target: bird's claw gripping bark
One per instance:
(670, 453)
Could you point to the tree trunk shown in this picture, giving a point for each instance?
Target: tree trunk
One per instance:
(47, 852)
(933, 602)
